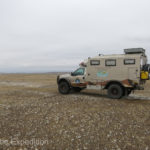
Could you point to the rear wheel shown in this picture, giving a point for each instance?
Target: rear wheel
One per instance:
(115, 91)
(63, 87)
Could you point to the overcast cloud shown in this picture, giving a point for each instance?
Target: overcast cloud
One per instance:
(56, 35)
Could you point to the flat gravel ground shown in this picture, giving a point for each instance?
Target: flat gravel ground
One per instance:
(33, 115)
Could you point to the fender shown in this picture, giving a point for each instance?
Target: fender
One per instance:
(113, 82)
(65, 80)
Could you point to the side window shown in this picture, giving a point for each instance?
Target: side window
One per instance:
(129, 61)
(79, 71)
(110, 62)
(95, 62)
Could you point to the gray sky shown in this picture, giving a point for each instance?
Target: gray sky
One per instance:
(56, 35)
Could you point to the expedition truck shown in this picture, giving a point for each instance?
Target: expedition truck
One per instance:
(118, 74)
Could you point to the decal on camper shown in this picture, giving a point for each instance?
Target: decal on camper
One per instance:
(102, 74)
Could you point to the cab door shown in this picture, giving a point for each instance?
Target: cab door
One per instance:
(78, 76)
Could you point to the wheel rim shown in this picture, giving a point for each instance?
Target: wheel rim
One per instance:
(63, 88)
(114, 91)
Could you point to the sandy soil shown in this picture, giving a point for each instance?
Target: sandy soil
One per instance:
(33, 115)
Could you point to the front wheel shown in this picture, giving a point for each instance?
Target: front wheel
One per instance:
(63, 87)
(115, 91)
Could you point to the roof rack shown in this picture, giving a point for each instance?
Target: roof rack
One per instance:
(134, 51)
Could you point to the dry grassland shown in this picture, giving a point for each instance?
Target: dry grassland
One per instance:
(31, 108)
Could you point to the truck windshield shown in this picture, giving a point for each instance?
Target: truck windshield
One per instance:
(79, 71)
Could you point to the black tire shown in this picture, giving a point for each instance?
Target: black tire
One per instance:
(77, 89)
(63, 87)
(115, 91)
